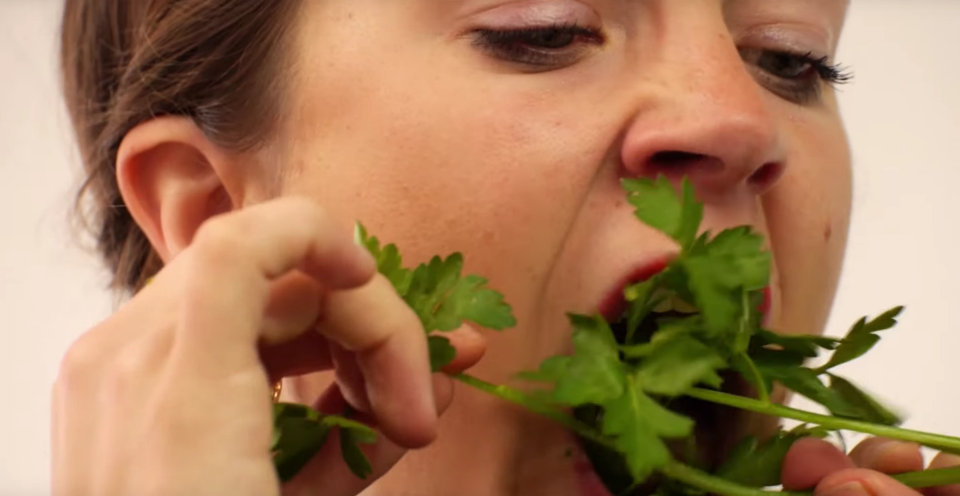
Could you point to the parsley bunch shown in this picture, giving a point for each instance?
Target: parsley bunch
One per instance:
(627, 374)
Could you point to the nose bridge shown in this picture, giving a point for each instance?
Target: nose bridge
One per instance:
(702, 66)
(697, 100)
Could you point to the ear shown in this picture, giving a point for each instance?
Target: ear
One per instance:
(173, 178)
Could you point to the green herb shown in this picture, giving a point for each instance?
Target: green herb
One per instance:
(720, 277)
(442, 298)
(756, 464)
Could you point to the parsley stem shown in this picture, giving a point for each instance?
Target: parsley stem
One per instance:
(690, 476)
(934, 477)
(757, 378)
(715, 485)
(536, 406)
(945, 443)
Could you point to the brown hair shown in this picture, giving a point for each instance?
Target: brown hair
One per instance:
(126, 61)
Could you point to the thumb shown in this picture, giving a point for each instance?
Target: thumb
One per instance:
(809, 461)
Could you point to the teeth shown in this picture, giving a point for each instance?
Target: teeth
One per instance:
(683, 307)
(674, 304)
(664, 306)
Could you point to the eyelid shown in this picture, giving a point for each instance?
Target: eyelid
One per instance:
(539, 13)
(795, 38)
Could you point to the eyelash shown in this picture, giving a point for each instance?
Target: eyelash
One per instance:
(520, 45)
(808, 82)
(537, 49)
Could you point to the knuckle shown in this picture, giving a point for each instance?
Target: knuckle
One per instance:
(219, 237)
(307, 213)
(400, 320)
(305, 208)
(128, 367)
(82, 359)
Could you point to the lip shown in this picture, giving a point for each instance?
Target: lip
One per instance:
(716, 440)
(613, 304)
(765, 306)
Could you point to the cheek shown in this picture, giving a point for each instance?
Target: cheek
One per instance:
(450, 166)
(809, 242)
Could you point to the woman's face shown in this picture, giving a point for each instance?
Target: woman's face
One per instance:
(502, 128)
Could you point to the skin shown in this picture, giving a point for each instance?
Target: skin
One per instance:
(396, 119)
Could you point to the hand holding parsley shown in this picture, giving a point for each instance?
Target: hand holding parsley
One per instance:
(171, 394)
(624, 376)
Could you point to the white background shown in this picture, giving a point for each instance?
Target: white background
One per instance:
(903, 115)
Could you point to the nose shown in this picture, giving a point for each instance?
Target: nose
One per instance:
(700, 114)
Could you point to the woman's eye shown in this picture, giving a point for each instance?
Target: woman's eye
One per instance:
(785, 65)
(538, 47)
(799, 78)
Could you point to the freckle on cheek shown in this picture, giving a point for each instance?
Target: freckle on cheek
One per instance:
(827, 232)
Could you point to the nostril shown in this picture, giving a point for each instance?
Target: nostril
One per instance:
(674, 163)
(766, 176)
(672, 159)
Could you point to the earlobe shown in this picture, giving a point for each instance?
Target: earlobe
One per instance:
(172, 179)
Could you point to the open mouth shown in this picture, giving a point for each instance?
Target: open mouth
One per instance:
(717, 426)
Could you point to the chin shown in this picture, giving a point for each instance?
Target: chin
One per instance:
(601, 472)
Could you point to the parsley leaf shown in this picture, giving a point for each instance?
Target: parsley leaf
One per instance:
(862, 337)
(658, 205)
(712, 284)
(668, 329)
(300, 432)
(740, 251)
(803, 345)
(443, 299)
(353, 455)
(679, 364)
(868, 408)
(806, 382)
(641, 298)
(639, 424)
(550, 371)
(442, 352)
(389, 261)
(729, 265)
(298, 436)
(440, 295)
(593, 375)
(755, 464)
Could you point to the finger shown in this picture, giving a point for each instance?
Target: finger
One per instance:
(350, 378)
(861, 482)
(391, 353)
(470, 345)
(294, 306)
(328, 470)
(232, 263)
(887, 456)
(305, 354)
(809, 461)
(468, 342)
(944, 460)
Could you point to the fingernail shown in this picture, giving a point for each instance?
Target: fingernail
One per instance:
(364, 256)
(852, 488)
(891, 456)
(945, 460)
